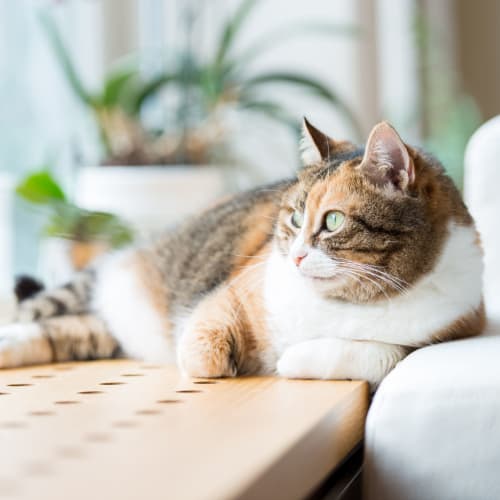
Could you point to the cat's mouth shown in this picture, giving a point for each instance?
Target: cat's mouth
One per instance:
(321, 278)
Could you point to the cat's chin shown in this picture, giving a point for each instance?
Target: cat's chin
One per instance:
(325, 285)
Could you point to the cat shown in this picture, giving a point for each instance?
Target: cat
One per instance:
(338, 273)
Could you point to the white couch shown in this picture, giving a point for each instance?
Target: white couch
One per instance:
(433, 430)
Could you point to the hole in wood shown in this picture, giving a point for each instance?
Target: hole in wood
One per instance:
(125, 423)
(4, 393)
(188, 391)
(43, 376)
(169, 401)
(13, 425)
(66, 402)
(90, 392)
(98, 437)
(70, 452)
(19, 385)
(37, 468)
(148, 412)
(132, 375)
(111, 383)
(41, 413)
(204, 382)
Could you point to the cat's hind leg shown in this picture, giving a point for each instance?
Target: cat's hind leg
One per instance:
(61, 338)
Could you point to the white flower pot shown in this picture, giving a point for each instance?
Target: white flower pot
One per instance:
(6, 236)
(150, 198)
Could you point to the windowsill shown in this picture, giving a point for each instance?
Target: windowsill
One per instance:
(157, 435)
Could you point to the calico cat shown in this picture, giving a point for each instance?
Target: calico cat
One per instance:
(336, 274)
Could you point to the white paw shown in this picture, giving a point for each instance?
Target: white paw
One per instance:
(22, 344)
(298, 361)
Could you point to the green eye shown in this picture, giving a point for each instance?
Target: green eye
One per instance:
(297, 218)
(334, 220)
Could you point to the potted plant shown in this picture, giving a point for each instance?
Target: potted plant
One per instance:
(158, 170)
(74, 236)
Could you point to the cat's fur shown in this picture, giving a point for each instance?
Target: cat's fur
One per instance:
(239, 289)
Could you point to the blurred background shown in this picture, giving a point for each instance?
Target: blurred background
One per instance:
(119, 117)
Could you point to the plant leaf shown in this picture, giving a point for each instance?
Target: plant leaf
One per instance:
(71, 222)
(115, 85)
(143, 90)
(314, 87)
(274, 111)
(232, 28)
(281, 35)
(41, 188)
(64, 58)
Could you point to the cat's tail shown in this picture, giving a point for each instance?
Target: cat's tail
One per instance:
(35, 303)
(26, 287)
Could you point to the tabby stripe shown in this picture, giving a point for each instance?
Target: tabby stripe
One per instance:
(52, 343)
(58, 305)
(378, 229)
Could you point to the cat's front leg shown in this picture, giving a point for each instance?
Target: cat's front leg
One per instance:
(340, 359)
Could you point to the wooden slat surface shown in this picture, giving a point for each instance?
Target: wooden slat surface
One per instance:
(124, 430)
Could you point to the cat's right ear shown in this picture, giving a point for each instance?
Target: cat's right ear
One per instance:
(316, 146)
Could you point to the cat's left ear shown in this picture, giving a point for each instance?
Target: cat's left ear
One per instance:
(317, 146)
(387, 162)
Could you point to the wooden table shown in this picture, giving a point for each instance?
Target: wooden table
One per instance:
(125, 430)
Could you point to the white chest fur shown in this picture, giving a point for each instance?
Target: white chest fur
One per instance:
(297, 312)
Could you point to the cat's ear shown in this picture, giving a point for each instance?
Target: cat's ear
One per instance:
(316, 146)
(387, 162)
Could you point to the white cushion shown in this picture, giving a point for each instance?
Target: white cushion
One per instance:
(482, 179)
(433, 430)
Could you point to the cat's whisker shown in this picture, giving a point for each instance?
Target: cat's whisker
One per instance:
(376, 272)
(378, 277)
(378, 285)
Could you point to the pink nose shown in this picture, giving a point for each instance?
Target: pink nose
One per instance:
(299, 259)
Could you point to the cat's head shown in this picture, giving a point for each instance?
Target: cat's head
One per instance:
(362, 224)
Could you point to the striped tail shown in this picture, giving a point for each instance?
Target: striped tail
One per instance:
(35, 304)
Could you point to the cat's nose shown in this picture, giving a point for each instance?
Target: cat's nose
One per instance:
(299, 258)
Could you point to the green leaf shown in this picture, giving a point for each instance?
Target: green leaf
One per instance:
(314, 87)
(452, 132)
(144, 90)
(64, 58)
(232, 28)
(40, 188)
(71, 222)
(116, 85)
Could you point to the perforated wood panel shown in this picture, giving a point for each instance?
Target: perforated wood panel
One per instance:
(125, 430)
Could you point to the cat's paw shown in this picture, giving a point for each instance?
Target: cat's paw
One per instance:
(206, 356)
(299, 361)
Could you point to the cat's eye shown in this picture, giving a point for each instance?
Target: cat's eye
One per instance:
(334, 220)
(297, 218)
